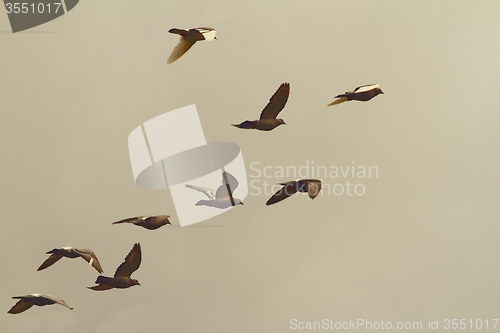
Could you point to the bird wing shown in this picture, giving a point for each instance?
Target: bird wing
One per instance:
(130, 220)
(182, 47)
(366, 88)
(222, 190)
(50, 261)
(276, 102)
(207, 191)
(131, 263)
(20, 306)
(89, 257)
(288, 189)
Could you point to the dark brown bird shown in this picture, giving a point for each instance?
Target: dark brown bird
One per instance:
(362, 93)
(122, 278)
(71, 252)
(188, 38)
(148, 222)
(27, 301)
(309, 186)
(268, 116)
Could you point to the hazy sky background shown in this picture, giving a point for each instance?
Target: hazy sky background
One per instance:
(420, 244)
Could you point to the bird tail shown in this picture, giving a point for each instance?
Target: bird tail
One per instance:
(178, 31)
(340, 99)
(103, 279)
(101, 287)
(247, 124)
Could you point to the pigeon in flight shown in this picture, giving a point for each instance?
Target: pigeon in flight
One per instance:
(268, 116)
(71, 252)
(220, 198)
(188, 38)
(27, 301)
(363, 93)
(309, 186)
(148, 222)
(122, 278)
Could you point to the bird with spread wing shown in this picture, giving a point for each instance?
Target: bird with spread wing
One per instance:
(122, 279)
(268, 121)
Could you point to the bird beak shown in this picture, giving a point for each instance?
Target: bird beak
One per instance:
(381, 92)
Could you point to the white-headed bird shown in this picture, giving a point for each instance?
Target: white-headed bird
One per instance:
(188, 38)
(362, 93)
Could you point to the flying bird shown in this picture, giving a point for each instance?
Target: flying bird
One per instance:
(268, 116)
(122, 279)
(309, 186)
(71, 252)
(362, 93)
(222, 197)
(188, 38)
(27, 301)
(148, 222)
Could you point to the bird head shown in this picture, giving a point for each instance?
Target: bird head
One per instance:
(135, 282)
(167, 221)
(280, 122)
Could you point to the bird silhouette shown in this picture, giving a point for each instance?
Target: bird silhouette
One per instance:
(268, 121)
(187, 40)
(309, 186)
(27, 301)
(220, 198)
(148, 222)
(71, 252)
(122, 279)
(362, 93)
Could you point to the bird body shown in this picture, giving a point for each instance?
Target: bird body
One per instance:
(362, 93)
(148, 222)
(188, 39)
(267, 120)
(309, 186)
(122, 279)
(27, 301)
(71, 252)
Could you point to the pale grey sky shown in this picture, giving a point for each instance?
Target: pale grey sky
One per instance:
(421, 243)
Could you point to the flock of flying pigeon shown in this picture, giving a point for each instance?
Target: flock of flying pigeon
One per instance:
(266, 122)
